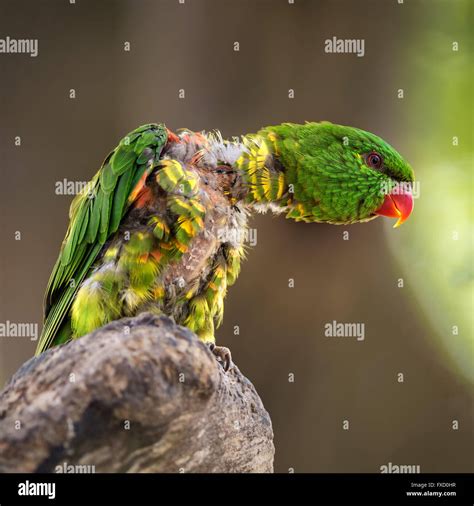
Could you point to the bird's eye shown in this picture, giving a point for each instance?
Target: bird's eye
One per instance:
(374, 160)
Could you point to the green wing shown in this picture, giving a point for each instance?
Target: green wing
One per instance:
(94, 215)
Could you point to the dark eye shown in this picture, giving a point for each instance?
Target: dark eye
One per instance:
(374, 160)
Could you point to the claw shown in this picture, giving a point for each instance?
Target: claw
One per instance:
(223, 355)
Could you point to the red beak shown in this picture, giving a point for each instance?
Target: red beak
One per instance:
(397, 204)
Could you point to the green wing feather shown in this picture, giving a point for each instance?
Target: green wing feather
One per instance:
(95, 214)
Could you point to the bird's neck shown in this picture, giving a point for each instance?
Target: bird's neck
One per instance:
(262, 180)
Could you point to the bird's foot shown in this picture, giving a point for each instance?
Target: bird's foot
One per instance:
(223, 356)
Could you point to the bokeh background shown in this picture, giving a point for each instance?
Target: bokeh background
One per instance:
(422, 330)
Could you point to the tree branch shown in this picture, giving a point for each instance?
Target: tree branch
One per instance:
(138, 395)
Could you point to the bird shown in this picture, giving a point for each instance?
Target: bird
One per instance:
(162, 225)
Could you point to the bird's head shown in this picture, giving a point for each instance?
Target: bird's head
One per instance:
(339, 174)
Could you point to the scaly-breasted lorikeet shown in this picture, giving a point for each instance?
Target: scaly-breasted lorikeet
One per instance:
(161, 226)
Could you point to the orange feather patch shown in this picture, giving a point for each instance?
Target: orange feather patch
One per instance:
(143, 198)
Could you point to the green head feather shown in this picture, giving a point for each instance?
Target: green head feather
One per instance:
(331, 172)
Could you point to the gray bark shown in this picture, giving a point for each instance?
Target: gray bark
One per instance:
(138, 395)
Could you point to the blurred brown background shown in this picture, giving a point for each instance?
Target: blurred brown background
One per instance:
(190, 46)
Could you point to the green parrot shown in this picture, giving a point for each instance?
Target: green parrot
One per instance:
(161, 227)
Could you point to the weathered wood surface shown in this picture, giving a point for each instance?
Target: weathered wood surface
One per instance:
(138, 395)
